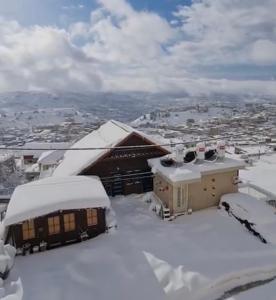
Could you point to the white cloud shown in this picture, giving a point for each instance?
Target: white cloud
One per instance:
(121, 49)
(44, 58)
(72, 7)
(264, 52)
(224, 31)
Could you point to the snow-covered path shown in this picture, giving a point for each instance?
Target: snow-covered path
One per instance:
(148, 259)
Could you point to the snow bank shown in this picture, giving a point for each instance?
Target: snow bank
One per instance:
(7, 254)
(255, 211)
(262, 173)
(265, 292)
(12, 291)
(175, 279)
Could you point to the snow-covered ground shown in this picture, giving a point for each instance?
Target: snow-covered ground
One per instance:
(265, 292)
(262, 173)
(199, 256)
(255, 211)
(177, 118)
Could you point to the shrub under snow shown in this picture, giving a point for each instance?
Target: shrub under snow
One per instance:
(7, 254)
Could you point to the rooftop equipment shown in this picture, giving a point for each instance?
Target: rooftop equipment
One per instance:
(221, 149)
(166, 162)
(179, 153)
(210, 154)
(200, 151)
(190, 156)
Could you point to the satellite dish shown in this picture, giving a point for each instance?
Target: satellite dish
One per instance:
(209, 155)
(167, 162)
(190, 156)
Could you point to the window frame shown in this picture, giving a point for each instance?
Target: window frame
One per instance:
(70, 224)
(29, 232)
(92, 217)
(54, 225)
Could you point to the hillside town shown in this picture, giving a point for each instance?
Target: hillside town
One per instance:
(138, 150)
(62, 193)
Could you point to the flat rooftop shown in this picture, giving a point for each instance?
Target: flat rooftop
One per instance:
(192, 172)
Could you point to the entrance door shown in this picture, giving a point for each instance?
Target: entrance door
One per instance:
(181, 199)
(133, 187)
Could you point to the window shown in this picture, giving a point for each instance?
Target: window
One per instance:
(28, 230)
(213, 179)
(179, 197)
(92, 216)
(53, 225)
(69, 222)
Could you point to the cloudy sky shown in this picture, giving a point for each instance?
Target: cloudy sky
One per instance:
(138, 45)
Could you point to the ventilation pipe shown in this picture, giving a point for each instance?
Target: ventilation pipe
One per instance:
(200, 151)
(179, 153)
(221, 149)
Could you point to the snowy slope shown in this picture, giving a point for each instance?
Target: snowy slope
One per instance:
(264, 292)
(255, 211)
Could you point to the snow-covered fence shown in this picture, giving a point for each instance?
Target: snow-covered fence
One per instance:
(256, 191)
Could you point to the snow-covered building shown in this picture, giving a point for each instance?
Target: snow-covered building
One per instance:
(48, 161)
(33, 150)
(55, 211)
(123, 170)
(182, 187)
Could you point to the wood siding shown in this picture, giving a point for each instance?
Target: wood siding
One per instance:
(126, 171)
(15, 233)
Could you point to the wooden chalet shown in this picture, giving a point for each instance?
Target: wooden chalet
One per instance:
(55, 211)
(122, 171)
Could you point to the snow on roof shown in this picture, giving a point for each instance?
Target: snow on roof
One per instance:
(108, 135)
(191, 172)
(254, 210)
(50, 157)
(47, 195)
(36, 146)
(5, 156)
(262, 173)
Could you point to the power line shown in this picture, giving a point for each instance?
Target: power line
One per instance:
(172, 144)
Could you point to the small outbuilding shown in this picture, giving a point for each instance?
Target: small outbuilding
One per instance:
(183, 187)
(55, 211)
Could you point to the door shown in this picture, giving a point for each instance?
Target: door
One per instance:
(134, 186)
(181, 199)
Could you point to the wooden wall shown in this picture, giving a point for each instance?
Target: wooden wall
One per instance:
(126, 171)
(15, 233)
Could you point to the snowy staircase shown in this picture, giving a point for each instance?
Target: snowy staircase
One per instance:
(160, 208)
(166, 213)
